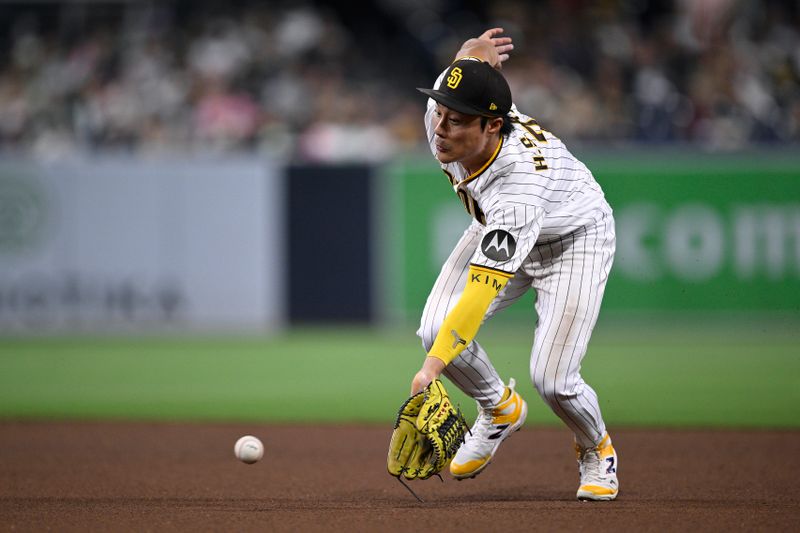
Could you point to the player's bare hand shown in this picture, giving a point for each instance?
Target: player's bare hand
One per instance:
(431, 369)
(502, 45)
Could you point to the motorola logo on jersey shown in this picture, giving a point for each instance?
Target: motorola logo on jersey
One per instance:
(498, 245)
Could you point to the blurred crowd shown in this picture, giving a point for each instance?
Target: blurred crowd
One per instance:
(322, 81)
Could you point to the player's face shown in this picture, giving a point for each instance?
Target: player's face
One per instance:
(459, 137)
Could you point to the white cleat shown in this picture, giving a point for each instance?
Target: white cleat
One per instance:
(598, 470)
(492, 427)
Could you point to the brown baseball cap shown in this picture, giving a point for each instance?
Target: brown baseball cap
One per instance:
(473, 88)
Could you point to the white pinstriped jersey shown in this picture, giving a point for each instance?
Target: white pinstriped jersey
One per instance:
(533, 188)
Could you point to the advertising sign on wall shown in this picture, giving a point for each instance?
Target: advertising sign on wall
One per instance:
(114, 243)
(694, 232)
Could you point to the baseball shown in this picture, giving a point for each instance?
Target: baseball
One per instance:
(248, 449)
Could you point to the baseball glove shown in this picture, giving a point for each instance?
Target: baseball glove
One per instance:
(427, 434)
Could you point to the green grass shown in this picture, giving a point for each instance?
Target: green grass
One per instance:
(655, 376)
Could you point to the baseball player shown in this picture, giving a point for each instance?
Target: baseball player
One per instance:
(539, 220)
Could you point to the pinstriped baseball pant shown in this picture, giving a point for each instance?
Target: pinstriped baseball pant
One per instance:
(569, 275)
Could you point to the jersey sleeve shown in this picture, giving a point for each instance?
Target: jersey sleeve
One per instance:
(508, 237)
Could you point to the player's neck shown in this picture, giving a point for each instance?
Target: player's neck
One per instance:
(476, 163)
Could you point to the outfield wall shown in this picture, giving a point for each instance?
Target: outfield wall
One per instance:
(115, 243)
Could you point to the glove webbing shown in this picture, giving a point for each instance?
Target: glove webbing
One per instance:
(452, 432)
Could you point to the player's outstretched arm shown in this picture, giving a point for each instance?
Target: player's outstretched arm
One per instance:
(489, 47)
(462, 322)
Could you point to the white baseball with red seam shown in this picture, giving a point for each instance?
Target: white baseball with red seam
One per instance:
(248, 449)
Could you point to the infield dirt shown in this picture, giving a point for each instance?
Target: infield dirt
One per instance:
(183, 477)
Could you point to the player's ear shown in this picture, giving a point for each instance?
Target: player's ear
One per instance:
(494, 125)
